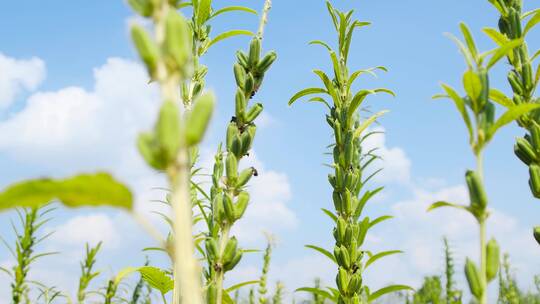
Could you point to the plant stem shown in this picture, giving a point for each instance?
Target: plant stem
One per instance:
(482, 223)
(224, 238)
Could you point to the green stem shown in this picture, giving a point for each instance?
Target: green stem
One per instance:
(163, 298)
(220, 273)
(482, 223)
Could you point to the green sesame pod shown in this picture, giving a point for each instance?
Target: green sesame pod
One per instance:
(339, 177)
(348, 235)
(337, 132)
(337, 201)
(536, 234)
(228, 208)
(353, 251)
(143, 7)
(515, 83)
(266, 62)
(168, 130)
(235, 260)
(356, 299)
(241, 205)
(492, 259)
(534, 179)
(332, 181)
(354, 284)
(349, 152)
(337, 255)
(345, 257)
(239, 75)
(254, 112)
(231, 167)
(199, 118)
(535, 135)
(477, 193)
(236, 147)
(341, 227)
(484, 78)
(244, 177)
(347, 202)
(230, 250)
(242, 59)
(147, 149)
(240, 104)
(197, 89)
(146, 47)
(177, 44)
(218, 209)
(212, 249)
(232, 132)
(473, 278)
(342, 280)
(254, 52)
(516, 23)
(524, 150)
(250, 84)
(526, 71)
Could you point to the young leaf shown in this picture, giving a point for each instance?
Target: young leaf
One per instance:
(305, 92)
(460, 105)
(240, 285)
(232, 9)
(503, 51)
(366, 123)
(99, 189)
(317, 291)
(229, 34)
(388, 289)
(472, 84)
(157, 278)
(512, 114)
(468, 39)
(499, 97)
(379, 255)
(323, 251)
(440, 204)
(531, 23)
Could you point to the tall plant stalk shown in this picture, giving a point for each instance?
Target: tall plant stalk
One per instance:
(229, 199)
(168, 59)
(349, 165)
(516, 24)
(478, 104)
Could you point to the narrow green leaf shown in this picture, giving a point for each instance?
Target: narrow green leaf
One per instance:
(380, 255)
(240, 285)
(91, 190)
(229, 34)
(440, 204)
(305, 92)
(320, 292)
(366, 123)
(325, 252)
(232, 9)
(330, 214)
(388, 289)
(460, 105)
(319, 42)
(379, 220)
(496, 36)
(468, 39)
(503, 51)
(511, 115)
(499, 97)
(531, 23)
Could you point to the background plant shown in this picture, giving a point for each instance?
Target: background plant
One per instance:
(349, 164)
(481, 129)
(516, 24)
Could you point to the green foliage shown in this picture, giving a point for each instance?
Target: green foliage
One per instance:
(99, 189)
(349, 162)
(87, 272)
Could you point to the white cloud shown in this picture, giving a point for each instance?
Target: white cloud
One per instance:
(395, 163)
(18, 75)
(92, 229)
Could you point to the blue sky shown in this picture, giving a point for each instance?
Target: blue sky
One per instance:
(99, 104)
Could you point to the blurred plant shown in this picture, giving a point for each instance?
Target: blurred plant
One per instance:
(87, 273)
(481, 130)
(516, 24)
(453, 295)
(278, 294)
(349, 164)
(228, 196)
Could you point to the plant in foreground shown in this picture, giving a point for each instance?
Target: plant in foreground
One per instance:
(229, 198)
(481, 129)
(87, 272)
(516, 24)
(349, 164)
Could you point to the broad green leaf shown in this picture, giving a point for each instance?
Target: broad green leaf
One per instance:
(380, 255)
(305, 92)
(388, 289)
(240, 285)
(325, 252)
(440, 204)
(157, 278)
(460, 105)
(531, 23)
(203, 11)
(232, 9)
(499, 97)
(472, 84)
(85, 190)
(503, 51)
(468, 39)
(323, 293)
(511, 115)
(229, 34)
(366, 123)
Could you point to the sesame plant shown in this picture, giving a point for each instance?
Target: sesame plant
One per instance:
(228, 195)
(349, 165)
(515, 24)
(477, 110)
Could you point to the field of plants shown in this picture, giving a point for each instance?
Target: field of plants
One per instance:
(150, 185)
